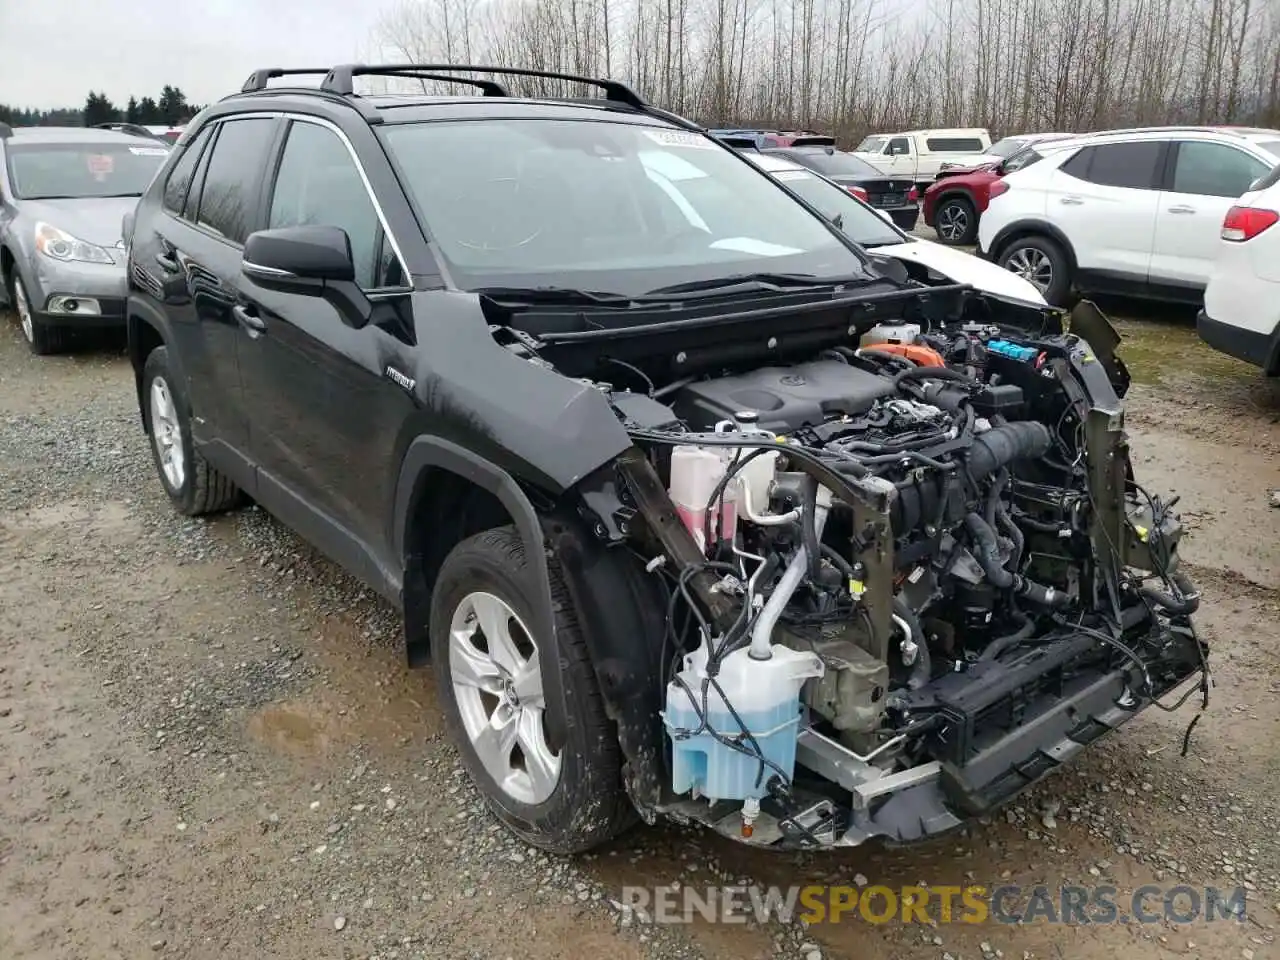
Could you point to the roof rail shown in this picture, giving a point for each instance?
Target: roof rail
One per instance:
(339, 79)
(259, 78)
(490, 88)
(133, 129)
(6, 131)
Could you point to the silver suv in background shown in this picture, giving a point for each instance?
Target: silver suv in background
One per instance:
(64, 192)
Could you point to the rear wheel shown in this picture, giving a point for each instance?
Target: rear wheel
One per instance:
(1042, 263)
(488, 660)
(957, 222)
(194, 486)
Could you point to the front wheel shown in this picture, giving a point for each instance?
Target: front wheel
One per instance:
(957, 222)
(488, 660)
(1042, 263)
(42, 337)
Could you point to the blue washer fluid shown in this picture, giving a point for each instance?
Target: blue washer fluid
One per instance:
(766, 696)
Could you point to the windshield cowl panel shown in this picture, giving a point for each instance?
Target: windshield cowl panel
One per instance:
(611, 207)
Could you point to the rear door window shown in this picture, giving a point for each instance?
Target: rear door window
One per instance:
(179, 182)
(1131, 165)
(229, 195)
(1214, 170)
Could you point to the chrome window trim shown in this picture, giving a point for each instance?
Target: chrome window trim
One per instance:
(351, 152)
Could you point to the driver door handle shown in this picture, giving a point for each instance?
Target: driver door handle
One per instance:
(253, 324)
(1182, 208)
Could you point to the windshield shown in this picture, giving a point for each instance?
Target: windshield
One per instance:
(1006, 147)
(871, 145)
(51, 171)
(835, 164)
(859, 222)
(607, 207)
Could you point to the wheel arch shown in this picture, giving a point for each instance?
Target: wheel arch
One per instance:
(1021, 229)
(444, 494)
(145, 330)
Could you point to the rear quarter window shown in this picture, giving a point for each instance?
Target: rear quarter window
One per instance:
(179, 182)
(954, 144)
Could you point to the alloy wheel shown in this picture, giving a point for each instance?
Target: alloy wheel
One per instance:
(497, 682)
(24, 310)
(1032, 265)
(166, 434)
(953, 221)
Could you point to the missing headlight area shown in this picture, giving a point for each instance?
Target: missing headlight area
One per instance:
(901, 580)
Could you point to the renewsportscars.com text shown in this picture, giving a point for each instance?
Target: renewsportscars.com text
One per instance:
(973, 904)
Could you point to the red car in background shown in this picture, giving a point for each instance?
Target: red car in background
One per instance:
(954, 202)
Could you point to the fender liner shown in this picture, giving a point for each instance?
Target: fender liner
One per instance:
(427, 452)
(1029, 226)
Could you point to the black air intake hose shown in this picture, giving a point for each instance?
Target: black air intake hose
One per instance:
(986, 550)
(1189, 603)
(996, 448)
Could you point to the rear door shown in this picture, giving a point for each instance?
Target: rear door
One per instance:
(1104, 199)
(323, 412)
(1203, 180)
(211, 204)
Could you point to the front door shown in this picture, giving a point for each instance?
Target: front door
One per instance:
(1207, 179)
(324, 415)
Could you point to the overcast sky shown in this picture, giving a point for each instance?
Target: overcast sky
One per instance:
(52, 52)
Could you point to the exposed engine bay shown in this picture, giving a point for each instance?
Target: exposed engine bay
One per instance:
(906, 575)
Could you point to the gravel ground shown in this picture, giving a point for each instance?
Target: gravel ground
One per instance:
(211, 747)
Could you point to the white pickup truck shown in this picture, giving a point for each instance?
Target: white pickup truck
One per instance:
(921, 153)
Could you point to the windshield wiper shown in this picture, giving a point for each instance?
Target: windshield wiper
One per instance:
(761, 281)
(556, 296)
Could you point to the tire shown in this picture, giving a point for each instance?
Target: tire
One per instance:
(1044, 259)
(565, 803)
(195, 487)
(43, 338)
(956, 222)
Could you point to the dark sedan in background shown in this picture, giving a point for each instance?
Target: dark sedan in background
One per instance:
(897, 196)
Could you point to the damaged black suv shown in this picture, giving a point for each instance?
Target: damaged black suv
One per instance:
(697, 509)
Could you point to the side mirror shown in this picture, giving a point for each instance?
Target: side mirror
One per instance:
(311, 261)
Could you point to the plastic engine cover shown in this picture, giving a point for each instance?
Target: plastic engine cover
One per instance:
(786, 398)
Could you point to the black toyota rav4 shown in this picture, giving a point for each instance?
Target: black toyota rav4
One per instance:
(696, 508)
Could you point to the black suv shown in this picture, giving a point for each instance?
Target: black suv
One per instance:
(581, 390)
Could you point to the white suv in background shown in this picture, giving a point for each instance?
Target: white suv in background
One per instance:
(1241, 314)
(1134, 212)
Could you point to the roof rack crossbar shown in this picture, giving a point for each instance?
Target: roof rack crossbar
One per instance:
(339, 79)
(259, 78)
(490, 88)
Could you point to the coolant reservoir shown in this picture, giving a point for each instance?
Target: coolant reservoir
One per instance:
(890, 333)
(695, 474)
(766, 696)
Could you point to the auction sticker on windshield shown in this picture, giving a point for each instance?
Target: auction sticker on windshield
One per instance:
(149, 151)
(100, 163)
(679, 138)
